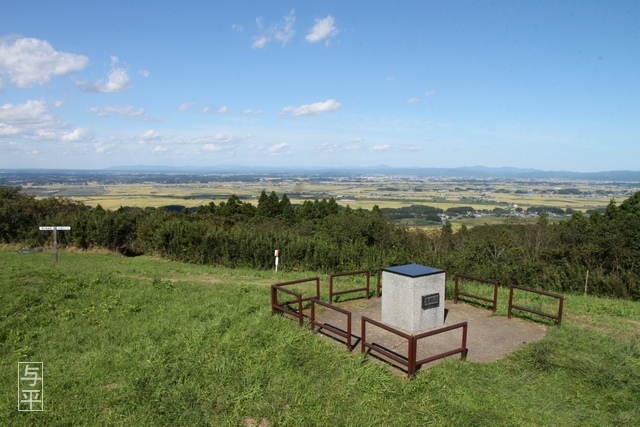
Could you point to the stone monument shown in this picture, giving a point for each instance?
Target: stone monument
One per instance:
(413, 297)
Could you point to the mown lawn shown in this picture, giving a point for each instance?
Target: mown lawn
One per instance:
(142, 341)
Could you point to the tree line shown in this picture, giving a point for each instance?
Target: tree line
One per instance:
(601, 250)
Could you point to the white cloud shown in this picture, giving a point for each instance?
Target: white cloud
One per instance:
(223, 138)
(314, 109)
(324, 28)
(150, 135)
(158, 143)
(429, 92)
(30, 120)
(103, 148)
(252, 112)
(282, 32)
(217, 142)
(237, 27)
(412, 100)
(46, 134)
(260, 42)
(380, 147)
(159, 149)
(114, 110)
(412, 148)
(58, 104)
(144, 73)
(353, 147)
(212, 147)
(117, 80)
(8, 130)
(30, 61)
(328, 147)
(15, 148)
(220, 138)
(78, 135)
(278, 149)
(222, 110)
(186, 105)
(285, 33)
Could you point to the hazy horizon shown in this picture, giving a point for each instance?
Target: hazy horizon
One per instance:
(464, 172)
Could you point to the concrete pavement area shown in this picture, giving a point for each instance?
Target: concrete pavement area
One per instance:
(489, 337)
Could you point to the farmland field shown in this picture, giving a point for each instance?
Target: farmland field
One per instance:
(363, 192)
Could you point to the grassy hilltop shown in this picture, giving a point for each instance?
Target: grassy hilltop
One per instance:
(141, 341)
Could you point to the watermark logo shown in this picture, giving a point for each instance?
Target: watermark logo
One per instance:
(30, 386)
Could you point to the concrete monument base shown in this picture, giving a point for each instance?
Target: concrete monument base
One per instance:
(413, 297)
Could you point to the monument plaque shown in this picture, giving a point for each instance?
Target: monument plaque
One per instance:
(430, 301)
(413, 297)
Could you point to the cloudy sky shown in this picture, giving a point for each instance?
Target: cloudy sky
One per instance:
(546, 84)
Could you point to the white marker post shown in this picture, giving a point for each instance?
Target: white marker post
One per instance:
(277, 255)
(55, 237)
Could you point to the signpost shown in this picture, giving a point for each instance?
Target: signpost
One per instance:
(277, 255)
(55, 237)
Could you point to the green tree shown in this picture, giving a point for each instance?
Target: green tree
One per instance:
(268, 206)
(18, 214)
(286, 209)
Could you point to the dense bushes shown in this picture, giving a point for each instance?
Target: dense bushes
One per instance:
(319, 236)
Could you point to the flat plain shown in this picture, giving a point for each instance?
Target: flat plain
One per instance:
(363, 192)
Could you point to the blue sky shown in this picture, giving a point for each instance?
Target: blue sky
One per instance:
(552, 85)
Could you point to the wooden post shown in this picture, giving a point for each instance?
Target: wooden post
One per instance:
(55, 245)
(55, 237)
(586, 283)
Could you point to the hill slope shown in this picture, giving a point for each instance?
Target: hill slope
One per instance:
(140, 341)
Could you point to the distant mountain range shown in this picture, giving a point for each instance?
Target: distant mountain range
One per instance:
(462, 172)
(468, 172)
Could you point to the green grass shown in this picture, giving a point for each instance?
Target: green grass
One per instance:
(141, 341)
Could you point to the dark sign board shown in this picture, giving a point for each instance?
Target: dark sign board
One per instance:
(430, 301)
